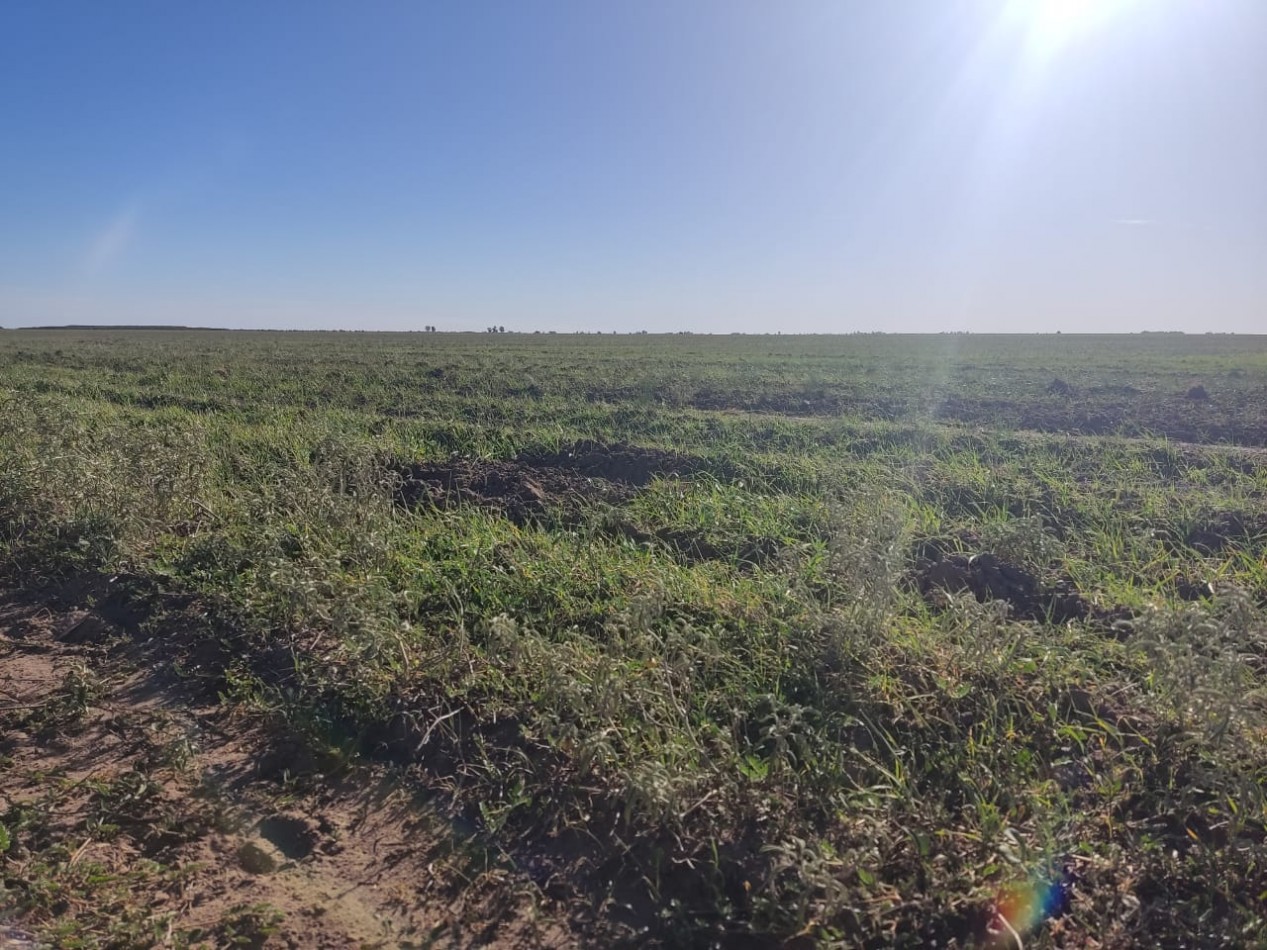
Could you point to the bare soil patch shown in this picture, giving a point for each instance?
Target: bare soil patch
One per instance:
(139, 810)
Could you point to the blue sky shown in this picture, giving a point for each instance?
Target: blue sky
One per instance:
(1082, 165)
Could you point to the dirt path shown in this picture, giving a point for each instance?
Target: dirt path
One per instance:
(138, 810)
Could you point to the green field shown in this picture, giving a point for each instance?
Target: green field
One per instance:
(710, 641)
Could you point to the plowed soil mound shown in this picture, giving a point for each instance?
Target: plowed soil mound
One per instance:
(988, 578)
(520, 491)
(525, 487)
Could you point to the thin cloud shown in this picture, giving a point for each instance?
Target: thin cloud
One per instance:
(110, 243)
(1133, 222)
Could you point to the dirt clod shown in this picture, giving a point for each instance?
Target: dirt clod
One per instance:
(256, 858)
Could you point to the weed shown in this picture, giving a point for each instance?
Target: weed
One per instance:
(249, 925)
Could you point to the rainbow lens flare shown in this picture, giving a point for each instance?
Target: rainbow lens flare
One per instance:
(1026, 905)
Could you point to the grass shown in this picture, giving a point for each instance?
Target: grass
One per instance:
(735, 704)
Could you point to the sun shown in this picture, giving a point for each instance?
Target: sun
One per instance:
(1062, 16)
(1049, 26)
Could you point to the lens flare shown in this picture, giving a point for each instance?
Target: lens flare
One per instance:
(1025, 906)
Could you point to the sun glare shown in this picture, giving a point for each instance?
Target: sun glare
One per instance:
(1049, 26)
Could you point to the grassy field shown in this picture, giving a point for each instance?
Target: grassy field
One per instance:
(703, 641)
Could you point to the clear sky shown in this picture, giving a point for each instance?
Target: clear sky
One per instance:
(714, 165)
